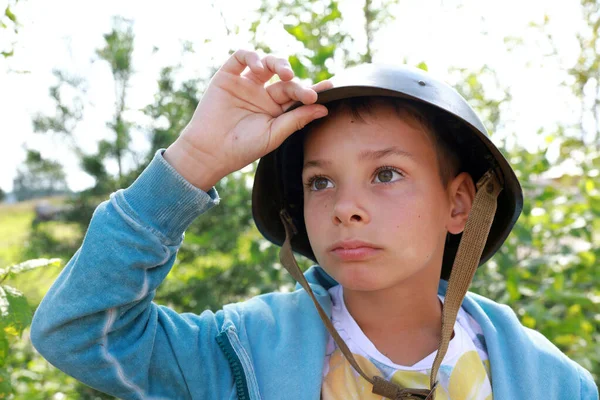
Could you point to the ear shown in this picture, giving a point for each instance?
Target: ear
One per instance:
(462, 192)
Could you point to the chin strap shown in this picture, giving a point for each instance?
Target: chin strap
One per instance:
(465, 264)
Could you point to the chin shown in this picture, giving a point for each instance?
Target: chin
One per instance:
(362, 286)
(358, 276)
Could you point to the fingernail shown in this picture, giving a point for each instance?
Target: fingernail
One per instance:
(321, 112)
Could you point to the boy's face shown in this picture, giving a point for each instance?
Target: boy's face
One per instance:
(375, 209)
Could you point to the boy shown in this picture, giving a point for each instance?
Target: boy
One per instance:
(379, 193)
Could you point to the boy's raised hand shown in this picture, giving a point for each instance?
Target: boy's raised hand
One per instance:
(239, 119)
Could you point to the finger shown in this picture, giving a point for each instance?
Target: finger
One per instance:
(282, 92)
(237, 63)
(273, 66)
(279, 66)
(288, 123)
(317, 88)
(321, 86)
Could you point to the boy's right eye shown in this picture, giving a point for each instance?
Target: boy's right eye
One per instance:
(319, 183)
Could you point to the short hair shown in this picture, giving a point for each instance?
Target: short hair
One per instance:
(436, 123)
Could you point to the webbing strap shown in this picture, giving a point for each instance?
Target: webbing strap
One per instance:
(467, 259)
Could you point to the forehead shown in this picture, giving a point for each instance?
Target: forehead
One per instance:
(380, 127)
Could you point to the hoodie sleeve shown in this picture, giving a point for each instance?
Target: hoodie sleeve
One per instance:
(589, 390)
(98, 323)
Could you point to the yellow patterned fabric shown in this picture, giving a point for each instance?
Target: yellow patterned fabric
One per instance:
(464, 374)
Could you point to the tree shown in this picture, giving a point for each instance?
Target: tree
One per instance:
(39, 177)
(316, 25)
(548, 269)
(173, 107)
(545, 271)
(116, 52)
(69, 96)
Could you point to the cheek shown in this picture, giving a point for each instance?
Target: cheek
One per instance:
(314, 215)
(315, 232)
(413, 211)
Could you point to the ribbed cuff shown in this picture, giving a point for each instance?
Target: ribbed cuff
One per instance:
(163, 200)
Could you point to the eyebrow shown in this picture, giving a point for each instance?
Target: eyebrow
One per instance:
(370, 155)
(377, 154)
(315, 164)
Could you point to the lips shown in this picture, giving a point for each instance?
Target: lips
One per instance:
(353, 250)
(350, 245)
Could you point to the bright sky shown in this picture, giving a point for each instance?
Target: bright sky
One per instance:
(63, 34)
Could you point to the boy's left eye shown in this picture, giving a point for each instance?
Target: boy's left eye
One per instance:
(387, 175)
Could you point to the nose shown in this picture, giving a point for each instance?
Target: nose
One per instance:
(347, 210)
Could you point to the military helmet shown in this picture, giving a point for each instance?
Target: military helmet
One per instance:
(277, 183)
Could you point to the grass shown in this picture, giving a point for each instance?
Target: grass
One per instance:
(15, 233)
(15, 225)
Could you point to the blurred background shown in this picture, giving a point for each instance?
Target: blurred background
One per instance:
(90, 90)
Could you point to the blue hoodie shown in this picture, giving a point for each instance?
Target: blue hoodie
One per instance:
(98, 322)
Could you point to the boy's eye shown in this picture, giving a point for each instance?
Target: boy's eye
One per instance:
(387, 175)
(320, 183)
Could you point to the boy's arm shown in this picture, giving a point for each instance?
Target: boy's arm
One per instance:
(589, 389)
(98, 323)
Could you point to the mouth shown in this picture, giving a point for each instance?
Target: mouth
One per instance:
(353, 250)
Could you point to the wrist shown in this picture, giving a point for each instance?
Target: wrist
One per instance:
(191, 167)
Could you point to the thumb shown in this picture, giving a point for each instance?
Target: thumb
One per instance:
(292, 121)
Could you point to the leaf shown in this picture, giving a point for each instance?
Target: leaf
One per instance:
(299, 69)
(588, 258)
(559, 282)
(15, 312)
(3, 349)
(528, 321)
(422, 66)
(296, 31)
(590, 186)
(333, 15)
(5, 386)
(253, 27)
(9, 14)
(323, 54)
(33, 264)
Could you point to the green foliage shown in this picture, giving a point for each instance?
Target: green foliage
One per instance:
(15, 316)
(38, 177)
(53, 238)
(117, 52)
(315, 24)
(33, 378)
(422, 65)
(173, 106)
(68, 95)
(119, 48)
(547, 271)
(9, 21)
(69, 89)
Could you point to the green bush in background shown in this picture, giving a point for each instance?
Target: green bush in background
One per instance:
(548, 271)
